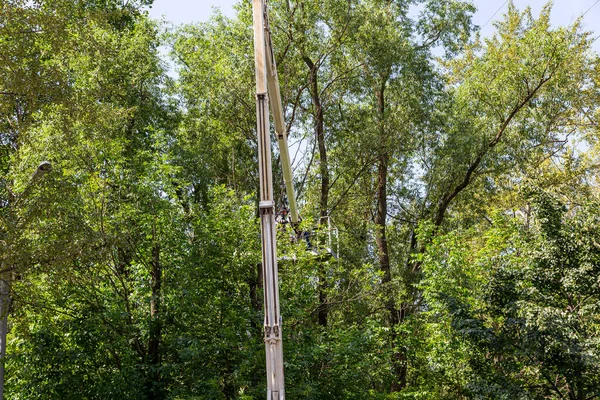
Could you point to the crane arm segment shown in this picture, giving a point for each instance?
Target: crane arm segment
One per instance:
(267, 86)
(278, 119)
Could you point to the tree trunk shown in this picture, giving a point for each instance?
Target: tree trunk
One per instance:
(256, 286)
(155, 390)
(324, 172)
(395, 316)
(4, 311)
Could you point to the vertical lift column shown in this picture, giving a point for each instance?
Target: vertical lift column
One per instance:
(267, 88)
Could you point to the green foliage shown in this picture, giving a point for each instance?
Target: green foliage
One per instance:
(134, 263)
(523, 315)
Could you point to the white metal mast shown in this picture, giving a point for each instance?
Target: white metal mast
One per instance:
(267, 88)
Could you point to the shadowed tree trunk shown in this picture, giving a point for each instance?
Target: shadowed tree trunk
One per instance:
(324, 172)
(154, 338)
(256, 285)
(395, 316)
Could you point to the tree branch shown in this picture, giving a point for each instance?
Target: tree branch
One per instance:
(448, 197)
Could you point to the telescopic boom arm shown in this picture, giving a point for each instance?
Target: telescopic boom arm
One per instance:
(280, 131)
(267, 88)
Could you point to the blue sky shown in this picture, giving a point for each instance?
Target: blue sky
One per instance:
(188, 11)
(565, 11)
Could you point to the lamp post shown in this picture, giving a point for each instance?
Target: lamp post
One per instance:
(44, 167)
(5, 299)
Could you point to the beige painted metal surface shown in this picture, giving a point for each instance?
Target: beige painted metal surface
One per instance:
(268, 86)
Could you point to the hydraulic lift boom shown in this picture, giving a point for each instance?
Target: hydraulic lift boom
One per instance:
(267, 90)
(274, 96)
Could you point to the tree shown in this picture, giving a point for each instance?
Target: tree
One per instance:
(509, 108)
(399, 85)
(94, 108)
(135, 262)
(529, 321)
